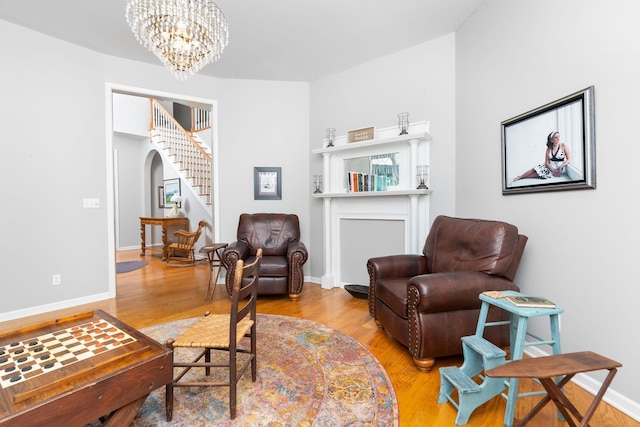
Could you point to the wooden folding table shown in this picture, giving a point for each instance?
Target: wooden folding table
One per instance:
(546, 369)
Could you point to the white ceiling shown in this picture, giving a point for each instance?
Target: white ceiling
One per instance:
(290, 40)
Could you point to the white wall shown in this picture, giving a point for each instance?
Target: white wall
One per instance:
(582, 250)
(263, 124)
(53, 155)
(58, 91)
(419, 80)
(129, 180)
(131, 114)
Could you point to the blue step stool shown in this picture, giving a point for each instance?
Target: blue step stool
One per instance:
(479, 355)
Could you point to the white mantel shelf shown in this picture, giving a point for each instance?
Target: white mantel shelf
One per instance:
(419, 136)
(373, 193)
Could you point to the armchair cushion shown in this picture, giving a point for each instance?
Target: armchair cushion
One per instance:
(273, 265)
(393, 293)
(458, 290)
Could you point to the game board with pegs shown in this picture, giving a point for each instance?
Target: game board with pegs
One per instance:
(78, 369)
(26, 359)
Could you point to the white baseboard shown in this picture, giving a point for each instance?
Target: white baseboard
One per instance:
(313, 279)
(31, 311)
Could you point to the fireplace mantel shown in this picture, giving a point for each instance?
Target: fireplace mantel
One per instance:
(402, 204)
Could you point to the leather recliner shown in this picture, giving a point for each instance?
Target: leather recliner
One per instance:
(429, 302)
(283, 254)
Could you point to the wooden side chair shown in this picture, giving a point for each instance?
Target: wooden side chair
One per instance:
(182, 251)
(222, 332)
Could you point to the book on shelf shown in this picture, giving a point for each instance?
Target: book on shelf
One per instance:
(528, 301)
(357, 182)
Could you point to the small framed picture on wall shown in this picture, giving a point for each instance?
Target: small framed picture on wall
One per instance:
(161, 200)
(267, 183)
(171, 188)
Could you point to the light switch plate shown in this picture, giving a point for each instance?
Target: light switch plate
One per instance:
(90, 203)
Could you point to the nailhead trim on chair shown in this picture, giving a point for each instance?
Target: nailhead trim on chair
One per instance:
(295, 281)
(372, 290)
(412, 314)
(230, 260)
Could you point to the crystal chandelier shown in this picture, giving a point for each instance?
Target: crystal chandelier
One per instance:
(185, 34)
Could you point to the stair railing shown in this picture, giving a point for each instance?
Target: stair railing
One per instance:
(190, 158)
(200, 119)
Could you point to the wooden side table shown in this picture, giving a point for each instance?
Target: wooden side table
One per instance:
(164, 223)
(214, 255)
(547, 368)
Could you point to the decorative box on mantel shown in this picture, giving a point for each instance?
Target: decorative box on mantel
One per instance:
(397, 218)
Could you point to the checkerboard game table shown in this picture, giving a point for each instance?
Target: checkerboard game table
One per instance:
(78, 369)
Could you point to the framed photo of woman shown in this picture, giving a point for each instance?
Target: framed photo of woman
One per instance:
(551, 147)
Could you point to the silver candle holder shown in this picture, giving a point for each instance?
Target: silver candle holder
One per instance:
(317, 182)
(331, 137)
(422, 173)
(403, 123)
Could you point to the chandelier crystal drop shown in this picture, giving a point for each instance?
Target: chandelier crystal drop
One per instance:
(185, 35)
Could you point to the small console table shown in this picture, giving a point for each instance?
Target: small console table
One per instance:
(164, 223)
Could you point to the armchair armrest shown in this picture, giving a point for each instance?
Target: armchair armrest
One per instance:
(393, 266)
(296, 257)
(297, 249)
(232, 253)
(443, 292)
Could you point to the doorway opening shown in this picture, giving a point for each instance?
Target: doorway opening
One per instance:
(136, 170)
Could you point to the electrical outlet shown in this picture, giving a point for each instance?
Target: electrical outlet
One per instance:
(56, 279)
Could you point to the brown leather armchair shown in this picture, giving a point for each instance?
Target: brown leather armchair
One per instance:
(429, 302)
(283, 254)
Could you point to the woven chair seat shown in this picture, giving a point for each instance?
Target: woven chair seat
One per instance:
(212, 331)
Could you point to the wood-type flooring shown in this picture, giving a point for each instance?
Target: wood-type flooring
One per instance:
(158, 293)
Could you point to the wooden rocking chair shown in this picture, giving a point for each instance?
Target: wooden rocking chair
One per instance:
(182, 251)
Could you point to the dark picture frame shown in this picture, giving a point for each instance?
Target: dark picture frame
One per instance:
(524, 148)
(267, 183)
(161, 204)
(171, 187)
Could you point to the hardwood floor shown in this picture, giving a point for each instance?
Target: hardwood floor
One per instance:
(158, 293)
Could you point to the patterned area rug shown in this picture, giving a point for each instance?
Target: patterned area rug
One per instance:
(308, 375)
(127, 266)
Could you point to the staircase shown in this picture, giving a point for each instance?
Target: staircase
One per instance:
(479, 355)
(188, 153)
